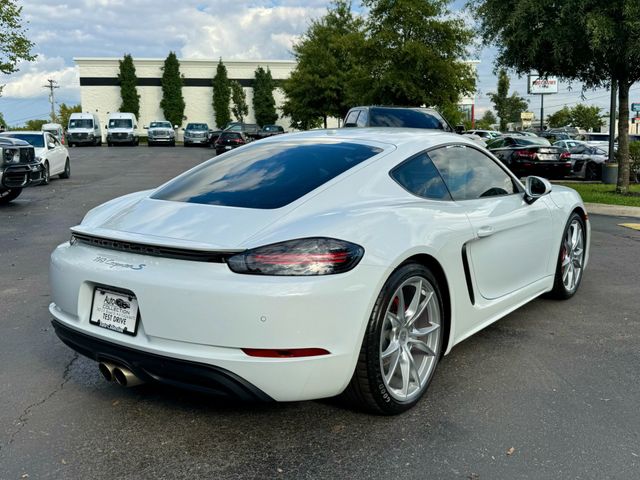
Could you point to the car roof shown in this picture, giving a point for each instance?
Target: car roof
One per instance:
(383, 135)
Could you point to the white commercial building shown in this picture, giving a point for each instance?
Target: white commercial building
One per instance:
(100, 90)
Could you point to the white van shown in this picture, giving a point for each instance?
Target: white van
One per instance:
(56, 130)
(122, 129)
(84, 129)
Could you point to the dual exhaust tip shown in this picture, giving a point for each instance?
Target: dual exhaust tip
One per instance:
(119, 374)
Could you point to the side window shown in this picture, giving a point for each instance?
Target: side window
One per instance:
(420, 177)
(470, 174)
(363, 118)
(351, 118)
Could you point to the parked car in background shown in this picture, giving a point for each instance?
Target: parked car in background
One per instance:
(587, 161)
(596, 139)
(398, 117)
(270, 131)
(84, 129)
(526, 156)
(476, 138)
(52, 155)
(56, 130)
(161, 132)
(250, 130)
(486, 134)
(196, 134)
(19, 168)
(122, 129)
(568, 144)
(314, 264)
(229, 140)
(213, 136)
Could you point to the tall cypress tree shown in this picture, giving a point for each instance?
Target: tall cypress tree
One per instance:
(239, 98)
(221, 96)
(172, 102)
(128, 82)
(264, 105)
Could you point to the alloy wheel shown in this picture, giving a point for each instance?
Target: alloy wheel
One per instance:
(572, 255)
(409, 342)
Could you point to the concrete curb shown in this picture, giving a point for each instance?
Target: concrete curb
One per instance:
(612, 210)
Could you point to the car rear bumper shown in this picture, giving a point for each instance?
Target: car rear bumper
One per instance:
(204, 313)
(150, 367)
(543, 169)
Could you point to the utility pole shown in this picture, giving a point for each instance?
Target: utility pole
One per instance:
(541, 112)
(52, 86)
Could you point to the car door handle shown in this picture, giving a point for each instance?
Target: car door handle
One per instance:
(485, 231)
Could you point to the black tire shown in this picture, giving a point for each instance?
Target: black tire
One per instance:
(136, 143)
(46, 174)
(149, 144)
(560, 290)
(109, 144)
(367, 389)
(173, 144)
(71, 144)
(592, 171)
(67, 170)
(8, 194)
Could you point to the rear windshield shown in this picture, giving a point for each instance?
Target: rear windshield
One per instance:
(266, 175)
(408, 118)
(229, 135)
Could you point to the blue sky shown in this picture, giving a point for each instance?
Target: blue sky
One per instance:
(242, 29)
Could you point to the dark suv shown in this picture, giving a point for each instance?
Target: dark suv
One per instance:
(400, 117)
(19, 168)
(251, 130)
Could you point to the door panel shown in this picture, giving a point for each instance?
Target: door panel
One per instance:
(513, 244)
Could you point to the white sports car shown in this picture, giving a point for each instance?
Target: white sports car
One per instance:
(313, 264)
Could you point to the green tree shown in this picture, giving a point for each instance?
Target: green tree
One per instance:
(590, 41)
(328, 67)
(487, 121)
(264, 105)
(14, 45)
(239, 99)
(415, 51)
(128, 83)
(587, 117)
(221, 96)
(65, 111)
(3, 124)
(172, 103)
(35, 124)
(507, 107)
(561, 118)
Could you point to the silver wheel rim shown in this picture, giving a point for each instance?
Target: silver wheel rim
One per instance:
(409, 340)
(572, 255)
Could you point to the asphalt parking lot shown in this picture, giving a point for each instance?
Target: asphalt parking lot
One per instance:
(551, 391)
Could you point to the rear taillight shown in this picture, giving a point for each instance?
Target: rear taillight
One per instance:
(566, 156)
(528, 154)
(303, 257)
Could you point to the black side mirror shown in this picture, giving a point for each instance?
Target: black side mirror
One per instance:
(459, 129)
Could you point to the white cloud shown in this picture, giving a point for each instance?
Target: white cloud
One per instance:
(30, 80)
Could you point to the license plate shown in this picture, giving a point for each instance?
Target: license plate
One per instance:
(547, 156)
(227, 147)
(114, 310)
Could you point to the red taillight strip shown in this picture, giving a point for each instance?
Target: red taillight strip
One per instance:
(301, 258)
(284, 353)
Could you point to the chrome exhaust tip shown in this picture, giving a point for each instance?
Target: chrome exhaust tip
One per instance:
(106, 369)
(125, 377)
